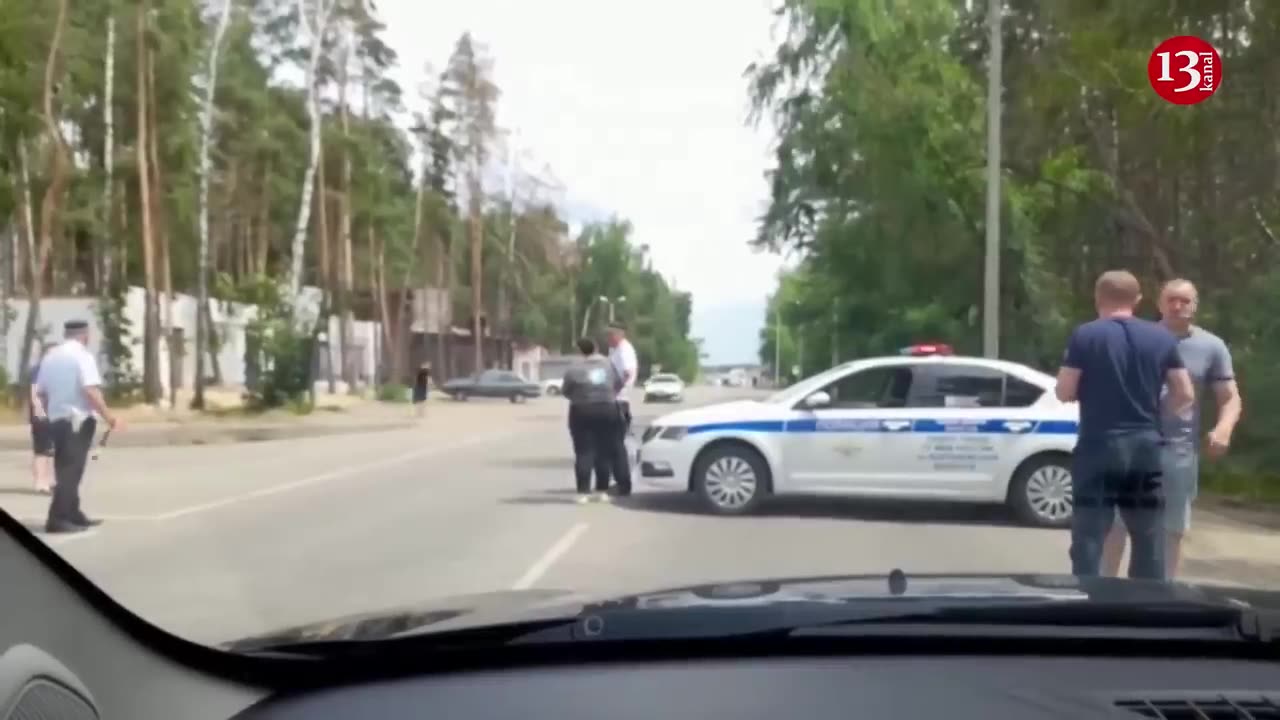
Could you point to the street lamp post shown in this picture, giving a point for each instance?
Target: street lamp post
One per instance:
(612, 302)
(991, 267)
(777, 344)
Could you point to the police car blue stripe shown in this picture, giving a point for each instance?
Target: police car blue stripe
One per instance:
(894, 425)
(768, 426)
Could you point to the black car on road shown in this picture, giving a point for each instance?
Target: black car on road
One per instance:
(492, 384)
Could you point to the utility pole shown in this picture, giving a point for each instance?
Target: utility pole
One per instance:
(507, 284)
(991, 266)
(835, 337)
(611, 302)
(777, 343)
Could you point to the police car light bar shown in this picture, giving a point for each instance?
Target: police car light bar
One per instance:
(928, 349)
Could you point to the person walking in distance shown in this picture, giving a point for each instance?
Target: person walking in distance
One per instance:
(1116, 366)
(1208, 362)
(421, 388)
(41, 435)
(591, 385)
(72, 388)
(623, 356)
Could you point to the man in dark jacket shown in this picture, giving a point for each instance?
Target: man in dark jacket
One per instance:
(591, 385)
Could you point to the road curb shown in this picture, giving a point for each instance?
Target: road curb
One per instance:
(142, 436)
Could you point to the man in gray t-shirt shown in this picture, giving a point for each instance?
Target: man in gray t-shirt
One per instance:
(1208, 361)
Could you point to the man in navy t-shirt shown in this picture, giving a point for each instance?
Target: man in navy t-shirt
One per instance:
(1115, 367)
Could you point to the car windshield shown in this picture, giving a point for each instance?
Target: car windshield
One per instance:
(321, 309)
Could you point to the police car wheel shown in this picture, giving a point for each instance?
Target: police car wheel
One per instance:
(1040, 492)
(730, 479)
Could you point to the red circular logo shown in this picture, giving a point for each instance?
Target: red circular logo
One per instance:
(1185, 70)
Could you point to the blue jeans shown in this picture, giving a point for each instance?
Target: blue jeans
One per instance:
(1120, 473)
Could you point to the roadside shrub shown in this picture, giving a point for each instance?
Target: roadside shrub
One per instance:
(121, 381)
(393, 392)
(278, 350)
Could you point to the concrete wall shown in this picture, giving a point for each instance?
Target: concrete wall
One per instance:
(527, 362)
(364, 346)
(229, 321)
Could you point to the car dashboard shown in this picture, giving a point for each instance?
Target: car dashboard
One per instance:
(974, 686)
(68, 651)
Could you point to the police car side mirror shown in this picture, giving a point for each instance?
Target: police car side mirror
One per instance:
(819, 399)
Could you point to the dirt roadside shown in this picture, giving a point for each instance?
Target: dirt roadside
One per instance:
(1230, 539)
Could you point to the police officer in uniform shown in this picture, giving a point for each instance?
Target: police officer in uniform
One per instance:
(623, 356)
(595, 423)
(71, 386)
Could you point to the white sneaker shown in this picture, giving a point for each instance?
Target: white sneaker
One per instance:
(582, 499)
(602, 497)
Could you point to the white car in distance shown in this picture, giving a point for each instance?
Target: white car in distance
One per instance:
(917, 426)
(553, 386)
(663, 387)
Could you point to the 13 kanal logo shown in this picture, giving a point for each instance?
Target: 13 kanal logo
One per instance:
(1185, 70)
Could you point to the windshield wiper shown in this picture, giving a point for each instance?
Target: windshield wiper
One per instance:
(803, 619)
(1147, 615)
(464, 638)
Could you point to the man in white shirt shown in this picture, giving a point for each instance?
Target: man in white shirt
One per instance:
(71, 387)
(622, 354)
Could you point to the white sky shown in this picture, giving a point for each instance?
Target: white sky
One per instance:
(639, 109)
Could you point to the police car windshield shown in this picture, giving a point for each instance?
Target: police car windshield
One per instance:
(804, 388)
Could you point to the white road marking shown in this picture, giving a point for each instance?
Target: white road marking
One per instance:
(549, 558)
(325, 477)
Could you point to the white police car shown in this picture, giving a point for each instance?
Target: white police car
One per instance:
(924, 425)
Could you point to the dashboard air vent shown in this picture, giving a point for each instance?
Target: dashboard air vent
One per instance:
(1204, 708)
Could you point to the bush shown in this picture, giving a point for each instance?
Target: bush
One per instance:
(122, 383)
(393, 392)
(279, 360)
(278, 350)
(1239, 482)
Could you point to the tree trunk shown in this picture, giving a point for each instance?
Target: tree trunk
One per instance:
(122, 224)
(378, 285)
(161, 215)
(263, 244)
(32, 268)
(204, 319)
(151, 349)
(107, 239)
(51, 203)
(507, 278)
(316, 26)
(477, 277)
(326, 269)
(108, 157)
(444, 313)
(419, 253)
(400, 359)
(6, 288)
(345, 269)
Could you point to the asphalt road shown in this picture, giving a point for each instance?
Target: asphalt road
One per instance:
(219, 542)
